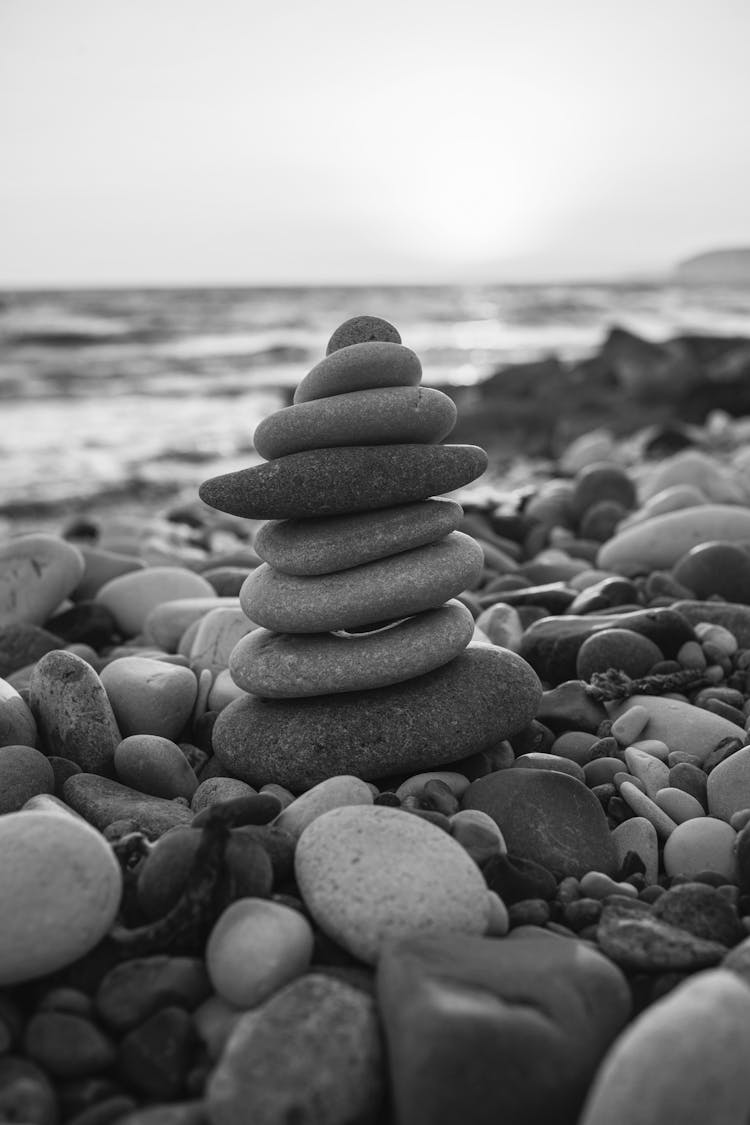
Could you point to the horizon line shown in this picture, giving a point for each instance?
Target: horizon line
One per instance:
(630, 277)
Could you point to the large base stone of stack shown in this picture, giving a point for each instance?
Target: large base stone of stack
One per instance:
(344, 479)
(466, 706)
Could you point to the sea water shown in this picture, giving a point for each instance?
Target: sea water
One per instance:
(146, 392)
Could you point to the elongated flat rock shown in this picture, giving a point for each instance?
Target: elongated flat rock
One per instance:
(289, 666)
(384, 590)
(657, 543)
(321, 546)
(680, 725)
(101, 802)
(379, 416)
(350, 478)
(462, 708)
(358, 367)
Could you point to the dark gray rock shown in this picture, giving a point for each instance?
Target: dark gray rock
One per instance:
(328, 482)
(547, 817)
(101, 802)
(132, 991)
(481, 1030)
(311, 1054)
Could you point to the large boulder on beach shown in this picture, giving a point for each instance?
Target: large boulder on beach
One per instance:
(462, 708)
(482, 1031)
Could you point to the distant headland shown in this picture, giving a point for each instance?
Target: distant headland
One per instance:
(717, 265)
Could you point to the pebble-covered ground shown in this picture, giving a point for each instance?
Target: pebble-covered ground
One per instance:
(503, 876)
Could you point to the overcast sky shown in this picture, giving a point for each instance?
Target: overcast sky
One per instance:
(209, 141)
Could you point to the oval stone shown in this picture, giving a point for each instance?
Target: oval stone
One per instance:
(466, 706)
(680, 725)
(167, 623)
(73, 712)
(381, 416)
(131, 597)
(325, 545)
(60, 887)
(702, 844)
(359, 330)
(716, 568)
(156, 766)
(389, 588)
(728, 785)
(358, 367)
(371, 874)
(17, 724)
(352, 478)
(215, 636)
(636, 1081)
(334, 793)
(255, 948)
(657, 543)
(149, 696)
(547, 817)
(24, 773)
(289, 666)
(37, 572)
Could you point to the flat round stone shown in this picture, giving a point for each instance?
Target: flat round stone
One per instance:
(462, 708)
(359, 330)
(379, 416)
(548, 817)
(328, 544)
(384, 590)
(350, 478)
(357, 367)
(288, 666)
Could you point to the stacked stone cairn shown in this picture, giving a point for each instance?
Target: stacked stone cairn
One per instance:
(360, 662)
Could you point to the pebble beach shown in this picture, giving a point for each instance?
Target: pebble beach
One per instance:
(370, 784)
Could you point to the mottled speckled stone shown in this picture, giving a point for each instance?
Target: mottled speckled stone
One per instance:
(101, 802)
(72, 711)
(463, 708)
(358, 367)
(382, 415)
(384, 590)
(329, 482)
(325, 545)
